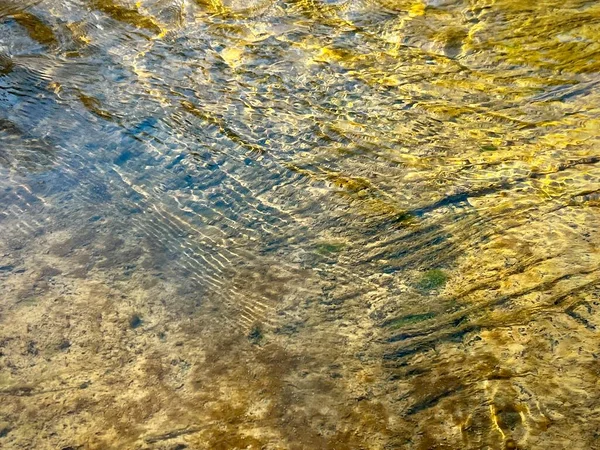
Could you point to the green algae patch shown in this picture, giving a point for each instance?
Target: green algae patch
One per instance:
(432, 279)
(488, 148)
(409, 320)
(328, 248)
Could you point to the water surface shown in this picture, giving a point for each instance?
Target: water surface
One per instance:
(299, 224)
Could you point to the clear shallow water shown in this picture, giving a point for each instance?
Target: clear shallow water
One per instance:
(299, 224)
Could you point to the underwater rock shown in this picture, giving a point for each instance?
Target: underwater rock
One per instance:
(256, 335)
(135, 321)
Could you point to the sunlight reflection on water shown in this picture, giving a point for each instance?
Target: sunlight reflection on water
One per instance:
(299, 224)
